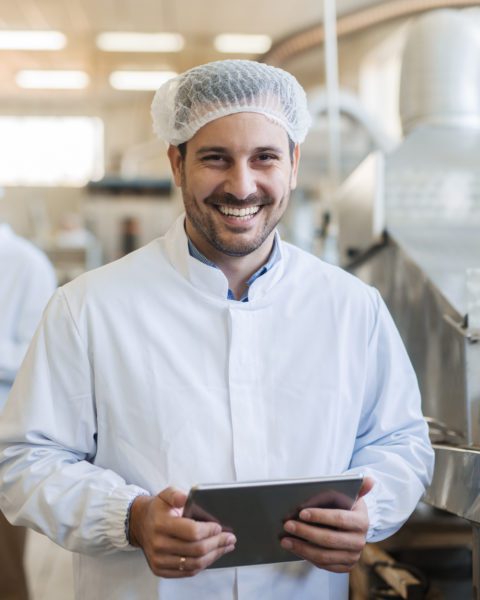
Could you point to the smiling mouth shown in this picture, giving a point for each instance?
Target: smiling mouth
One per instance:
(239, 213)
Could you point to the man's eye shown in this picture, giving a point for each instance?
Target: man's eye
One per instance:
(213, 158)
(266, 157)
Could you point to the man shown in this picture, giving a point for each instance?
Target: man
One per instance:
(216, 353)
(27, 281)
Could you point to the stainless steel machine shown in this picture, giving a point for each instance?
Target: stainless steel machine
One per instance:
(410, 225)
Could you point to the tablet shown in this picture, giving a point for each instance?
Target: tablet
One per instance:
(255, 512)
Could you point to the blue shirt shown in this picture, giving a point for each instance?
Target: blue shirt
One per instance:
(272, 260)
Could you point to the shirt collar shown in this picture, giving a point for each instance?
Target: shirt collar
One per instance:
(212, 280)
(273, 257)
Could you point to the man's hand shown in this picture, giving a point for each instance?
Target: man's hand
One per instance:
(337, 549)
(175, 546)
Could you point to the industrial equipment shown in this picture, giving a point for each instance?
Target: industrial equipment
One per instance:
(421, 245)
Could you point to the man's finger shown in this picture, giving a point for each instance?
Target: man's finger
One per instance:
(367, 486)
(188, 530)
(216, 554)
(188, 571)
(173, 546)
(320, 556)
(326, 537)
(338, 568)
(172, 573)
(173, 497)
(346, 520)
(177, 562)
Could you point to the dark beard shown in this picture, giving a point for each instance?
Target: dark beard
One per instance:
(208, 231)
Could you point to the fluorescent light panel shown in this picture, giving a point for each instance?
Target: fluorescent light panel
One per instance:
(118, 41)
(32, 40)
(139, 80)
(236, 43)
(52, 80)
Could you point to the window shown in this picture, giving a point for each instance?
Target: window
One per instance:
(50, 151)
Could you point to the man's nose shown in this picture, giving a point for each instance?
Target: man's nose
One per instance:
(241, 181)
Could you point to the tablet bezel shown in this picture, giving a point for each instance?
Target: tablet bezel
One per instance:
(256, 510)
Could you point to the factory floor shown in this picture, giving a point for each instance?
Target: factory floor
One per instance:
(48, 568)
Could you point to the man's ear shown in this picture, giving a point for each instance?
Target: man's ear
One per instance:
(295, 162)
(176, 163)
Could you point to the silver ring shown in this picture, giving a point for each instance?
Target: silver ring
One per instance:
(181, 564)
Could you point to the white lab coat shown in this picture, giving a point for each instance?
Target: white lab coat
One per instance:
(27, 280)
(143, 375)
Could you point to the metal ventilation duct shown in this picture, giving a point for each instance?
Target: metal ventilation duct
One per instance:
(440, 81)
(310, 38)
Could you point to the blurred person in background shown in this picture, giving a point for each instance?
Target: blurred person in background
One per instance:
(27, 280)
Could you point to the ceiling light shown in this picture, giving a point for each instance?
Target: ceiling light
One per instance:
(242, 44)
(139, 42)
(139, 80)
(32, 40)
(52, 80)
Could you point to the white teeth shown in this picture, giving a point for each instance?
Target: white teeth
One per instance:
(238, 212)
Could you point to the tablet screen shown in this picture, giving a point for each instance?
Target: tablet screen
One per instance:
(256, 511)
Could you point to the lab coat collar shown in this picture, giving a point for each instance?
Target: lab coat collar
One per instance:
(209, 279)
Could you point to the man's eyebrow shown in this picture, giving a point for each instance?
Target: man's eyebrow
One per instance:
(275, 149)
(217, 149)
(223, 150)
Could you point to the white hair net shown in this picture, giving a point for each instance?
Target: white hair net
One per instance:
(186, 103)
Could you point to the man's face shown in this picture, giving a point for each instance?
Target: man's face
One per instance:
(236, 180)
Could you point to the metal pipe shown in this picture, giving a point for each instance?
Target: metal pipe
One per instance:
(359, 20)
(333, 110)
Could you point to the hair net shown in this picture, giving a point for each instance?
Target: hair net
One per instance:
(186, 103)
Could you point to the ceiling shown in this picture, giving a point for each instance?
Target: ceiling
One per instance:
(191, 17)
(198, 20)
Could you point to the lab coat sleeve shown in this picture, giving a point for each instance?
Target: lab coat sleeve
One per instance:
(392, 444)
(48, 442)
(39, 283)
